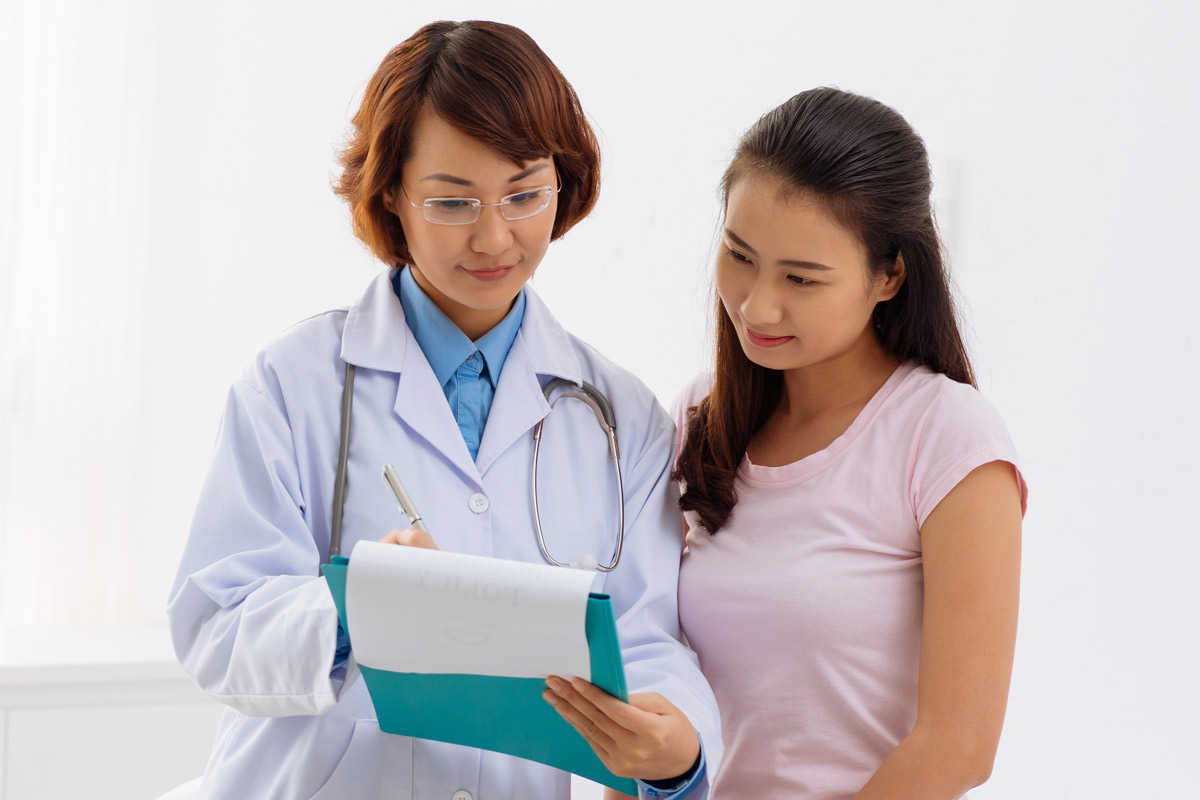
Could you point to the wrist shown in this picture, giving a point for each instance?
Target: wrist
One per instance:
(683, 779)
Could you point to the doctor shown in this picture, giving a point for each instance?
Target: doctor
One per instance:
(469, 155)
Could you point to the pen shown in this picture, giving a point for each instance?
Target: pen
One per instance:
(402, 499)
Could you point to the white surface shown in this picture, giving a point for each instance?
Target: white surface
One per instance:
(67, 667)
(1063, 138)
(3, 755)
(107, 752)
(105, 714)
(67, 646)
(409, 609)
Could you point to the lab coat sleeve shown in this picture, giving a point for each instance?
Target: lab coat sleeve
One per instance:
(644, 593)
(252, 622)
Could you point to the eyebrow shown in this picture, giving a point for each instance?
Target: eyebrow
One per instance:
(522, 175)
(787, 262)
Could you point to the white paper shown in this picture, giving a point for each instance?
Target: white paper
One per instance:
(410, 609)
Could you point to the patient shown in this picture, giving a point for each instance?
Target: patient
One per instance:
(853, 503)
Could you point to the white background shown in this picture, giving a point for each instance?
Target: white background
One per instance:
(165, 208)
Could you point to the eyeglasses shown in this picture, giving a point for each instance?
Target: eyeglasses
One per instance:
(465, 210)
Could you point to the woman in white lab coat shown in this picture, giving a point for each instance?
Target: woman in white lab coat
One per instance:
(470, 154)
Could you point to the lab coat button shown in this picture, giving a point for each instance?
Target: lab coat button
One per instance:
(462, 794)
(478, 503)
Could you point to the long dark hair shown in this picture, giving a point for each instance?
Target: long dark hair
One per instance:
(868, 169)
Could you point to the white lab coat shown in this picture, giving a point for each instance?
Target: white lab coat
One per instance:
(255, 626)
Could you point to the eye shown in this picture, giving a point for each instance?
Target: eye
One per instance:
(736, 256)
(449, 203)
(526, 198)
(800, 280)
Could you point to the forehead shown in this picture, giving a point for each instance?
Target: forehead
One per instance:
(438, 148)
(781, 223)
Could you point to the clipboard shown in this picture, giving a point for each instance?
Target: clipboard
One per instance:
(505, 715)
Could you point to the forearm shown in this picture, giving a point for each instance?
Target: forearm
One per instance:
(929, 766)
(269, 655)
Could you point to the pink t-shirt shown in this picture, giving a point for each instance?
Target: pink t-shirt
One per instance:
(805, 609)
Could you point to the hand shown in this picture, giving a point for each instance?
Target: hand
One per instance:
(410, 537)
(646, 738)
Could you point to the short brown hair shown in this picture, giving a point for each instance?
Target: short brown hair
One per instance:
(492, 82)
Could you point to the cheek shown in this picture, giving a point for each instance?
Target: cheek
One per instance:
(727, 287)
(536, 237)
(432, 243)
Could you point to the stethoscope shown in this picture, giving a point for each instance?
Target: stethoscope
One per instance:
(554, 391)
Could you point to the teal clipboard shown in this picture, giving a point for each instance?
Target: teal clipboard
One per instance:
(507, 715)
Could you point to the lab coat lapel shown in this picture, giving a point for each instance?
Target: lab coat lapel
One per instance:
(421, 405)
(377, 337)
(541, 351)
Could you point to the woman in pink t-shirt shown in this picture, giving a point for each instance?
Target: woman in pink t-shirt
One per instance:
(853, 503)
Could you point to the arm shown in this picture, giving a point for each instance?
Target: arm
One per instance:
(252, 622)
(658, 735)
(971, 547)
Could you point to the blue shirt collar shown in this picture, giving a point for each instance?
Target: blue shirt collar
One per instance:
(444, 345)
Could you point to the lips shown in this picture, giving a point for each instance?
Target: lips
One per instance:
(491, 273)
(767, 341)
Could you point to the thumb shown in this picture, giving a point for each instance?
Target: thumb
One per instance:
(652, 703)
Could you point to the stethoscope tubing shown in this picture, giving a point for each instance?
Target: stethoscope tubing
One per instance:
(598, 403)
(588, 394)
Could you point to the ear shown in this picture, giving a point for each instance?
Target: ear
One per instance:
(893, 279)
(389, 197)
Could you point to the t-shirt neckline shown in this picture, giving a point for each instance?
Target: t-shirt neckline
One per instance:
(810, 465)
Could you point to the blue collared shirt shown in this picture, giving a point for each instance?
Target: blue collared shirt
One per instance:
(468, 371)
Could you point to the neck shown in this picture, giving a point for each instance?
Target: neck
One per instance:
(849, 379)
(474, 322)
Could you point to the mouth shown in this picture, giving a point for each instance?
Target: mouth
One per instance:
(767, 341)
(489, 274)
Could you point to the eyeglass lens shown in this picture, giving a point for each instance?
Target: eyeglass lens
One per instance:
(465, 210)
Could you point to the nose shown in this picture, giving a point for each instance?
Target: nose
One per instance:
(761, 306)
(492, 233)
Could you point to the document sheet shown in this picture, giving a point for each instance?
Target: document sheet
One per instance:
(410, 609)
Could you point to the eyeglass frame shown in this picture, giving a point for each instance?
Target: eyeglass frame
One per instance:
(479, 205)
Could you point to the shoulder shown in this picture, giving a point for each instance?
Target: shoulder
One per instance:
(942, 407)
(624, 389)
(307, 352)
(952, 429)
(689, 396)
(692, 392)
(552, 350)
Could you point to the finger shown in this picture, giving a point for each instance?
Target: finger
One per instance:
(410, 537)
(628, 718)
(422, 539)
(598, 715)
(601, 742)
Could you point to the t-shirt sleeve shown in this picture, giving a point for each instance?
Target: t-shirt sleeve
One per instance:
(961, 431)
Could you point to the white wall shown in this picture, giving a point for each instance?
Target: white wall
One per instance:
(1063, 136)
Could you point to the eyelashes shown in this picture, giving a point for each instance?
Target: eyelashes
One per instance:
(740, 258)
(736, 256)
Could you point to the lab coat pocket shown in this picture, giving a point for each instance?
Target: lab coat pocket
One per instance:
(375, 765)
